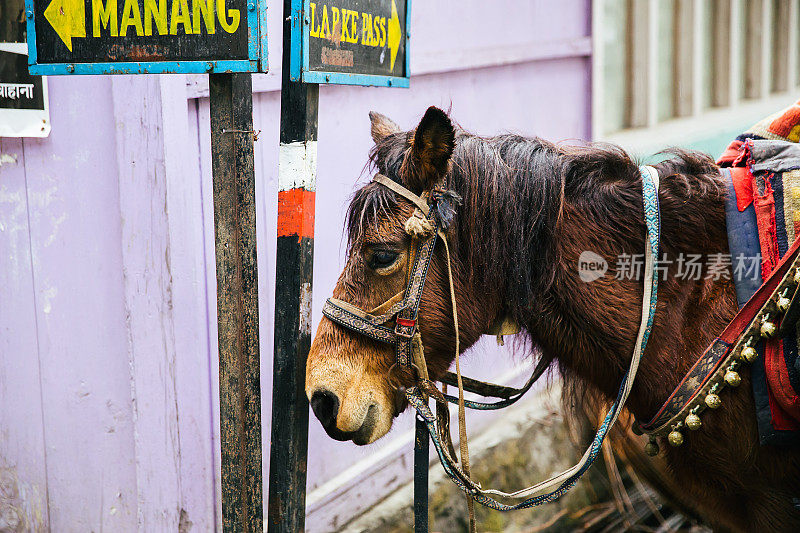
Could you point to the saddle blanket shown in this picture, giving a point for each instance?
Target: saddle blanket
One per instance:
(763, 217)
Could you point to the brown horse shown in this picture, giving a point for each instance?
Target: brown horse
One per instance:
(529, 209)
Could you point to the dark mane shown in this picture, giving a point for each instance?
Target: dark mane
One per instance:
(513, 190)
(553, 236)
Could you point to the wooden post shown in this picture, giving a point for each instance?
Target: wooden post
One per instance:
(294, 268)
(421, 467)
(231, 101)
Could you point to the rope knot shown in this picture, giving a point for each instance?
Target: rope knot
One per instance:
(418, 225)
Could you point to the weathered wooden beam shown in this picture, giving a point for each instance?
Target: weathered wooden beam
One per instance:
(637, 64)
(294, 270)
(421, 469)
(683, 94)
(231, 107)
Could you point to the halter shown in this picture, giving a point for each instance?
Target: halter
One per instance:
(774, 307)
(426, 229)
(402, 310)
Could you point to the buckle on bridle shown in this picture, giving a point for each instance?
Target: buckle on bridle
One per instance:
(404, 327)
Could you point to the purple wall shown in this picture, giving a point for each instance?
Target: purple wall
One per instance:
(108, 418)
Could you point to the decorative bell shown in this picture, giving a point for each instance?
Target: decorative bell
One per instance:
(713, 401)
(733, 378)
(768, 329)
(749, 354)
(651, 448)
(675, 438)
(693, 422)
(783, 304)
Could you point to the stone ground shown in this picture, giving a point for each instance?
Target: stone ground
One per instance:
(527, 443)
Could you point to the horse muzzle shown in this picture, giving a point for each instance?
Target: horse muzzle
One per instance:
(358, 429)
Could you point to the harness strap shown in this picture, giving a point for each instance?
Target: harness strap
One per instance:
(353, 318)
(389, 307)
(407, 341)
(462, 416)
(707, 376)
(492, 390)
(402, 191)
(568, 478)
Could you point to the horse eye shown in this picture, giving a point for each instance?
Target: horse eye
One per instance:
(382, 259)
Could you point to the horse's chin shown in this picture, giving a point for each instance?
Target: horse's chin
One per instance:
(371, 430)
(349, 412)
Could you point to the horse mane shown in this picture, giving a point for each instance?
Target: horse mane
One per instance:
(513, 190)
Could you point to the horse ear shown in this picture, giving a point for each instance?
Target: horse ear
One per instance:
(434, 141)
(382, 126)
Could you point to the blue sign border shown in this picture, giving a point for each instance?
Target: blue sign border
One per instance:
(298, 63)
(256, 46)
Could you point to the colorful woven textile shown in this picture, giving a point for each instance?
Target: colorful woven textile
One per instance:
(763, 214)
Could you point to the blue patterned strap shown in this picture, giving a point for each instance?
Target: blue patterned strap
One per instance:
(536, 494)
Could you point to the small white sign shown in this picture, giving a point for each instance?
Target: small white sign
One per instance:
(24, 104)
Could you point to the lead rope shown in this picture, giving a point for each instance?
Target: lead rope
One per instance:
(353, 318)
(535, 494)
(462, 415)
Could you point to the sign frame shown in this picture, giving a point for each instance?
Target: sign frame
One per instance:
(298, 64)
(257, 51)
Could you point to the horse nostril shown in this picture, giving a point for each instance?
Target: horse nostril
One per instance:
(325, 405)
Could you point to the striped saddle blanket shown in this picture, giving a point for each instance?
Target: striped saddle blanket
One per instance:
(763, 217)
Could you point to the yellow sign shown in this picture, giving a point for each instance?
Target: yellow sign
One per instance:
(140, 18)
(336, 24)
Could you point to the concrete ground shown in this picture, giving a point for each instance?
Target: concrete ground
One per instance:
(524, 444)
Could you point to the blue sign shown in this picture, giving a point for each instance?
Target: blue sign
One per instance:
(146, 36)
(351, 42)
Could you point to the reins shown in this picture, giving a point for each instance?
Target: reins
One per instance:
(425, 228)
(774, 307)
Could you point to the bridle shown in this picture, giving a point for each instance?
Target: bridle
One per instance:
(425, 228)
(403, 307)
(716, 368)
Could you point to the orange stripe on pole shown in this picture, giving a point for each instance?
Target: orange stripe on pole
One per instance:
(296, 213)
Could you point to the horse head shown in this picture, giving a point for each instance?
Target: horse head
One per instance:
(523, 216)
(352, 381)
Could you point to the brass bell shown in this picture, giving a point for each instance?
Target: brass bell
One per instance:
(651, 448)
(675, 438)
(693, 422)
(733, 378)
(783, 304)
(768, 329)
(713, 401)
(749, 354)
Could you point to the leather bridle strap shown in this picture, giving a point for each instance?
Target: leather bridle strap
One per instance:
(568, 478)
(404, 310)
(405, 335)
(387, 182)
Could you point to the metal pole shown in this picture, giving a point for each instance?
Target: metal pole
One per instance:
(295, 261)
(421, 467)
(231, 102)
